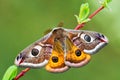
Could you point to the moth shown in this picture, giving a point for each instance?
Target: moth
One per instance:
(61, 49)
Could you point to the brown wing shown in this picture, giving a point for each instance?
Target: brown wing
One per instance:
(36, 55)
(89, 41)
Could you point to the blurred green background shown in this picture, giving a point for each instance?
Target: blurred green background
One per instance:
(24, 21)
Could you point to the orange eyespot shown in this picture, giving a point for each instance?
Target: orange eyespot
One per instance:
(55, 59)
(78, 52)
(76, 58)
(75, 55)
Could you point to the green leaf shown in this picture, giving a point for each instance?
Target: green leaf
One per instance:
(78, 20)
(86, 20)
(108, 1)
(84, 12)
(10, 73)
(105, 3)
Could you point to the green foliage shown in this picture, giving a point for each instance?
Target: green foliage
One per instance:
(105, 2)
(10, 73)
(83, 14)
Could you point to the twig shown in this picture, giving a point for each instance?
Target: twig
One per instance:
(21, 73)
(96, 12)
(90, 17)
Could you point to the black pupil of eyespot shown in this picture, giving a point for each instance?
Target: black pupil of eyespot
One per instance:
(18, 58)
(35, 52)
(78, 52)
(103, 36)
(55, 59)
(87, 38)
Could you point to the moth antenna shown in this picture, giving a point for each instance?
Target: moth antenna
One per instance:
(60, 24)
(47, 31)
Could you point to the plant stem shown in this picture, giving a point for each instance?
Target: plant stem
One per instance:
(79, 26)
(96, 12)
(21, 73)
(90, 17)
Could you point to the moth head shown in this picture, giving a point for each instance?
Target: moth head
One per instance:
(90, 42)
(34, 56)
(75, 57)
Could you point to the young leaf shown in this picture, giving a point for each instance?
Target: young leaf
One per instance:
(10, 73)
(105, 3)
(78, 20)
(86, 20)
(84, 12)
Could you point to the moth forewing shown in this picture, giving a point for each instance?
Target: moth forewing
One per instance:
(90, 41)
(36, 55)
